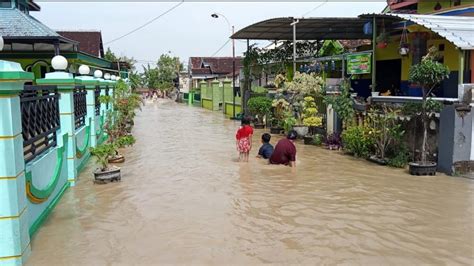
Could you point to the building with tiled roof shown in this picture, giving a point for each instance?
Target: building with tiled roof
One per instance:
(209, 68)
(90, 42)
(32, 44)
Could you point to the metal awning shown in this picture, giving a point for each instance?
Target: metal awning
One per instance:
(323, 28)
(456, 29)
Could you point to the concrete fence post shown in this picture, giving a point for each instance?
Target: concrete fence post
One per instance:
(66, 83)
(91, 85)
(14, 236)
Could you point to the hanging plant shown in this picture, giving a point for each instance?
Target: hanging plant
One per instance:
(404, 48)
(383, 38)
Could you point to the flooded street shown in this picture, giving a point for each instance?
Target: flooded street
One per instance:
(184, 199)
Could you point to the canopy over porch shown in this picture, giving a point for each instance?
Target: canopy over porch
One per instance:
(456, 29)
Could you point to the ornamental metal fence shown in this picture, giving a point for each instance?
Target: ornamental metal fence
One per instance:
(39, 119)
(97, 100)
(80, 106)
(107, 94)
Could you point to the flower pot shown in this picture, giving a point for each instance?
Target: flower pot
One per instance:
(404, 51)
(301, 130)
(418, 168)
(276, 130)
(382, 45)
(259, 126)
(117, 159)
(319, 130)
(110, 175)
(308, 140)
(377, 160)
(375, 93)
(333, 147)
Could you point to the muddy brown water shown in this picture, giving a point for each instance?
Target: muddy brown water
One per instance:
(184, 200)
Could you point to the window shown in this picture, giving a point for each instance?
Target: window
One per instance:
(5, 3)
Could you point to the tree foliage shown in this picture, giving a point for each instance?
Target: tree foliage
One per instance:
(161, 76)
(111, 56)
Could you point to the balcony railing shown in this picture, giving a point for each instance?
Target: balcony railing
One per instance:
(80, 106)
(39, 119)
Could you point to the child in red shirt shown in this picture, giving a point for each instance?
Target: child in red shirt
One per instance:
(244, 140)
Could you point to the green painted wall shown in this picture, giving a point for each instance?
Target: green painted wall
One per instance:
(206, 103)
(229, 110)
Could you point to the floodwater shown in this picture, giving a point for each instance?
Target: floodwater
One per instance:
(184, 199)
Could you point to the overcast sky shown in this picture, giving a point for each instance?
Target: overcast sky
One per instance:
(186, 31)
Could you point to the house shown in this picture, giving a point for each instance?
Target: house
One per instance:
(90, 42)
(32, 44)
(210, 68)
(446, 7)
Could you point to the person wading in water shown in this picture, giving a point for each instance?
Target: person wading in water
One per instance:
(244, 140)
(285, 151)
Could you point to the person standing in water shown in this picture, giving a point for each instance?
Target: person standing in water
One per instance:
(285, 151)
(244, 140)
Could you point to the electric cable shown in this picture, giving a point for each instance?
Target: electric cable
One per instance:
(146, 24)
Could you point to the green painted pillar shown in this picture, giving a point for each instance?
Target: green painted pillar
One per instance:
(204, 91)
(91, 84)
(190, 97)
(14, 237)
(216, 95)
(228, 97)
(65, 83)
(103, 88)
(111, 85)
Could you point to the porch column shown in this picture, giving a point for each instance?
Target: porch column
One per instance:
(14, 225)
(66, 83)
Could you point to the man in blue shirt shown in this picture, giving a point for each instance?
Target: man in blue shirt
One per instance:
(267, 149)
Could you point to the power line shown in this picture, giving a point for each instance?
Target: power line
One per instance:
(222, 47)
(318, 6)
(146, 24)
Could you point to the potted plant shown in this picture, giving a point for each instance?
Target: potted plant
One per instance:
(428, 73)
(289, 122)
(121, 142)
(310, 118)
(280, 107)
(105, 172)
(119, 122)
(259, 107)
(303, 85)
(333, 141)
(383, 39)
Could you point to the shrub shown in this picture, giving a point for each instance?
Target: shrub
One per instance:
(260, 107)
(400, 159)
(318, 139)
(356, 140)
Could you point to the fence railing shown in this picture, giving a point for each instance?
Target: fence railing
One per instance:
(97, 100)
(107, 94)
(80, 106)
(39, 119)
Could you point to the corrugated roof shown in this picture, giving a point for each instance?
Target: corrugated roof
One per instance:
(456, 29)
(322, 28)
(16, 24)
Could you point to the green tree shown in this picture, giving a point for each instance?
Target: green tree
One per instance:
(111, 56)
(161, 77)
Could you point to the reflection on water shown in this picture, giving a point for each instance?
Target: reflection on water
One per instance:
(184, 199)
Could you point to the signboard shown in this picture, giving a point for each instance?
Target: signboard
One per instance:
(359, 63)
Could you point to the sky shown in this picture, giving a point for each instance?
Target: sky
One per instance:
(188, 30)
